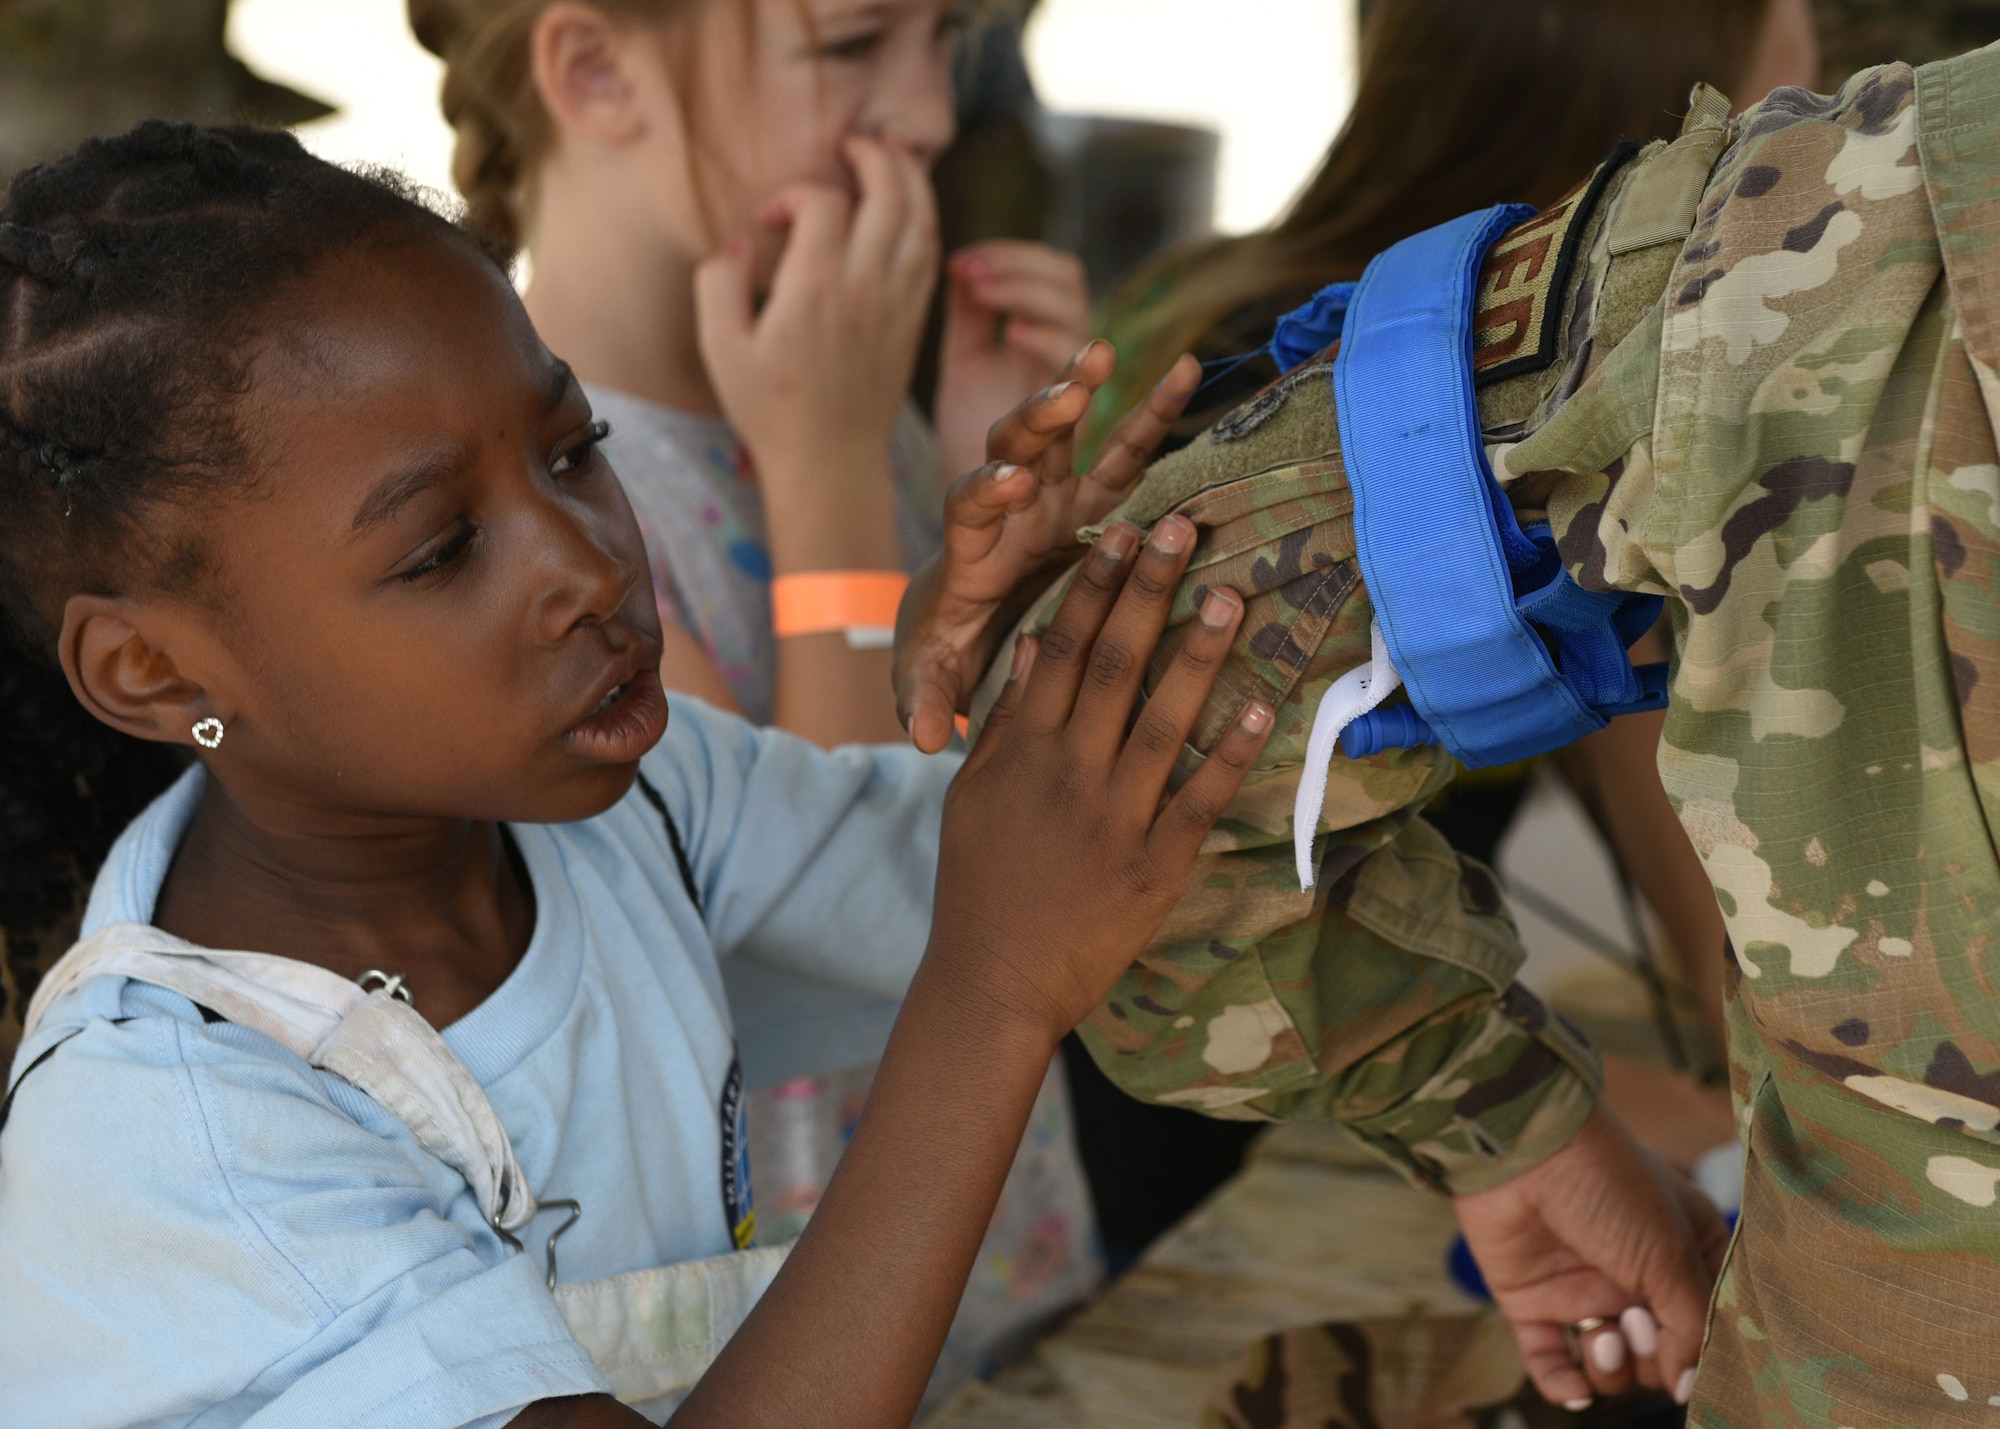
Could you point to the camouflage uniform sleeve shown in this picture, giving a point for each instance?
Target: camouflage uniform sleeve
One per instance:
(1383, 999)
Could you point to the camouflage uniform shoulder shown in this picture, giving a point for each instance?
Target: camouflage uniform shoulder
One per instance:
(1290, 421)
(1958, 134)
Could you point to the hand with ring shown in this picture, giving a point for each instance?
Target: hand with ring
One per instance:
(1615, 1354)
(1599, 1230)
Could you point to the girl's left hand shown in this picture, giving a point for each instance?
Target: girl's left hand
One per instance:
(1012, 519)
(1014, 312)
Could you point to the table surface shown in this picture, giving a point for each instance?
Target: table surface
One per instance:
(1310, 1230)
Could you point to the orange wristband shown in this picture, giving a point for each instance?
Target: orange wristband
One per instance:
(860, 604)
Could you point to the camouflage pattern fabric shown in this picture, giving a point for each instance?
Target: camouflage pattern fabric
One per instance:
(1417, 1372)
(1384, 998)
(1797, 447)
(1426, 1372)
(1775, 407)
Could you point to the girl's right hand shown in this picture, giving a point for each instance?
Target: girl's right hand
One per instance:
(813, 380)
(1061, 855)
(1062, 852)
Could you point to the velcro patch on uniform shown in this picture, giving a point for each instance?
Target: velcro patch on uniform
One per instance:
(1517, 325)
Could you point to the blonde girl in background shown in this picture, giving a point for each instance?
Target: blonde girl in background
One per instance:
(729, 231)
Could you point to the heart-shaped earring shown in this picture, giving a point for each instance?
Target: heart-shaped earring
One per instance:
(208, 732)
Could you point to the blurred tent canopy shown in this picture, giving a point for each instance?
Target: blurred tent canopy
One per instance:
(70, 69)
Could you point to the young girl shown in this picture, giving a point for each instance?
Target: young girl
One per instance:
(730, 234)
(290, 482)
(661, 162)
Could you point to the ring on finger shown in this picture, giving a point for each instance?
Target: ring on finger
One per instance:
(1574, 1332)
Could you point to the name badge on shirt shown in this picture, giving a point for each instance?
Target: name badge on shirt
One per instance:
(737, 1208)
(1517, 326)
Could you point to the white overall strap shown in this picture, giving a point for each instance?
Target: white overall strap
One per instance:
(371, 1039)
(652, 1332)
(1346, 700)
(655, 1332)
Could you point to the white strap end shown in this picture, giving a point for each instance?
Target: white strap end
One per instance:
(1346, 700)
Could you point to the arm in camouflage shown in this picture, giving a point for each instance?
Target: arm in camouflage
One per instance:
(1384, 999)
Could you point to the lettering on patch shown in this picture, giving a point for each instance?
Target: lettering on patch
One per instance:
(1517, 323)
(739, 1213)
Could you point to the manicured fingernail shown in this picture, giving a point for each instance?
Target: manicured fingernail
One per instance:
(1218, 609)
(1082, 353)
(1607, 1351)
(1173, 535)
(1641, 1329)
(1256, 717)
(1684, 1391)
(1115, 545)
(1576, 1406)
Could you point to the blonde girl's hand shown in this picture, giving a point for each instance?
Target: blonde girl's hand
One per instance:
(1013, 520)
(1014, 311)
(813, 380)
(1062, 847)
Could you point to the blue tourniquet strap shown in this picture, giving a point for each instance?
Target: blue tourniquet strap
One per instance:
(1305, 332)
(1390, 727)
(1302, 335)
(1504, 656)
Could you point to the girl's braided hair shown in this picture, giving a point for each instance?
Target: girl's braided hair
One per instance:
(134, 274)
(490, 101)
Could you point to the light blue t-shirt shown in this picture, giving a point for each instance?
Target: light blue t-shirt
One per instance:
(196, 1227)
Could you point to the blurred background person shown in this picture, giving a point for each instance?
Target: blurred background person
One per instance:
(1461, 104)
(731, 235)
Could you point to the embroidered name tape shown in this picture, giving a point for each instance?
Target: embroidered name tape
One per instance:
(1518, 313)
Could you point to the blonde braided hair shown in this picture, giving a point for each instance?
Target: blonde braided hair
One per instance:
(489, 99)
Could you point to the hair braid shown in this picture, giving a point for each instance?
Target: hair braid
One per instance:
(47, 257)
(134, 274)
(488, 97)
(490, 100)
